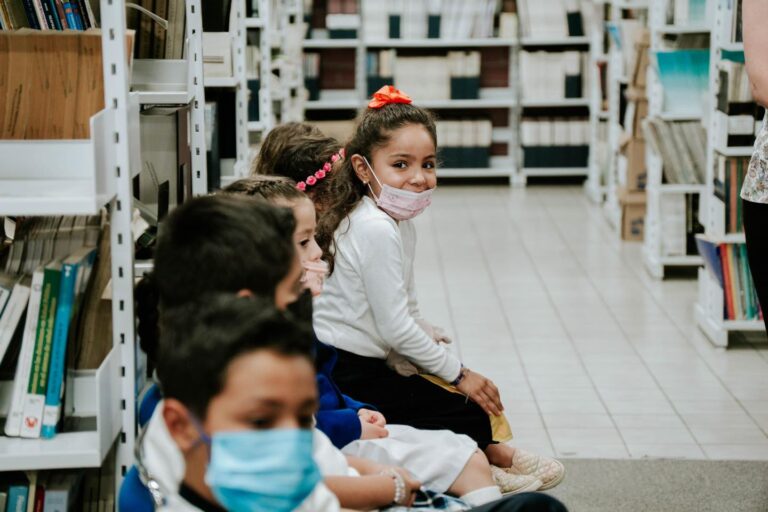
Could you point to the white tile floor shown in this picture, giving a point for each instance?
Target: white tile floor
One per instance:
(593, 357)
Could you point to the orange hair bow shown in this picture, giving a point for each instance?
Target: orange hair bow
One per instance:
(388, 94)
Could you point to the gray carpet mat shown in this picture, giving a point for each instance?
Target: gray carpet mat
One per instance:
(597, 485)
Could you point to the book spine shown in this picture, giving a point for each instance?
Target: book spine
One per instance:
(59, 349)
(23, 367)
(50, 17)
(62, 14)
(82, 13)
(78, 13)
(17, 498)
(40, 14)
(69, 12)
(29, 9)
(738, 287)
(13, 311)
(32, 415)
(727, 289)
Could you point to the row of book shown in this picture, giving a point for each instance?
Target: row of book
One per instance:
(555, 18)
(465, 143)
(90, 490)
(686, 12)
(734, 100)
(54, 84)
(680, 145)
(680, 215)
(49, 14)
(728, 182)
(50, 316)
(555, 142)
(431, 19)
(552, 76)
(155, 39)
(729, 264)
(545, 131)
(461, 82)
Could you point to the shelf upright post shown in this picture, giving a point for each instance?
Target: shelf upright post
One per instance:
(361, 57)
(265, 66)
(517, 177)
(237, 27)
(594, 186)
(116, 87)
(196, 84)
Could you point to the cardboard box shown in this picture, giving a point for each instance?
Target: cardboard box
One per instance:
(633, 150)
(632, 215)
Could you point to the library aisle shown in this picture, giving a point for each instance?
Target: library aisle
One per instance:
(593, 358)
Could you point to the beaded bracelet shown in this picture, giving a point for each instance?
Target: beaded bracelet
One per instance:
(399, 486)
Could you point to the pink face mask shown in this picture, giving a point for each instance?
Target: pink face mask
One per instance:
(314, 275)
(400, 204)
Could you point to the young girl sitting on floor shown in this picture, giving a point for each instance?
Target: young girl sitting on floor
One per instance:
(368, 309)
(442, 460)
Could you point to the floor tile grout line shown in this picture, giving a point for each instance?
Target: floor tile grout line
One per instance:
(511, 330)
(632, 344)
(567, 332)
(506, 323)
(689, 342)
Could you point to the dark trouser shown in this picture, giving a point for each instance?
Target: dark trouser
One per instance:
(756, 232)
(525, 502)
(412, 400)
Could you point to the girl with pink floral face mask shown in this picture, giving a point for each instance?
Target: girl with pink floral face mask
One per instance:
(368, 309)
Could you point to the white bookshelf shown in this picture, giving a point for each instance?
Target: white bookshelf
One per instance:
(506, 98)
(660, 249)
(616, 77)
(239, 82)
(710, 316)
(80, 177)
(595, 185)
(54, 177)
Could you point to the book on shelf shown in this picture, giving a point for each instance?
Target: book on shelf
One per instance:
(737, 30)
(553, 76)
(686, 12)
(554, 20)
(51, 299)
(734, 100)
(684, 76)
(429, 19)
(555, 142)
(679, 144)
(409, 73)
(465, 143)
(679, 214)
(729, 265)
(727, 187)
(49, 14)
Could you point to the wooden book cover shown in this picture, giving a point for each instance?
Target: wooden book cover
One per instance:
(159, 33)
(90, 87)
(61, 114)
(17, 96)
(41, 83)
(4, 61)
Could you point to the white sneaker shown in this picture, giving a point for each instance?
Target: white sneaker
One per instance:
(550, 471)
(510, 483)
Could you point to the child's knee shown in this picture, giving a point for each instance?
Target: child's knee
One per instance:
(478, 463)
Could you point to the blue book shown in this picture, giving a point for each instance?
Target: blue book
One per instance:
(710, 251)
(17, 498)
(69, 12)
(74, 274)
(684, 76)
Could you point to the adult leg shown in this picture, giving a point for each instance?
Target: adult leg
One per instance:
(756, 233)
(526, 502)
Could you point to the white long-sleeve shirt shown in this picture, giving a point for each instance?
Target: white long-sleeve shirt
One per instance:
(368, 305)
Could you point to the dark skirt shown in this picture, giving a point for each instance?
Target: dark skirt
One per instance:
(411, 400)
(756, 234)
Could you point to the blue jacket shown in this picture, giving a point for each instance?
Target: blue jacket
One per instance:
(337, 416)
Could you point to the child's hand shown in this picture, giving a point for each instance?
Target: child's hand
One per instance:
(482, 391)
(374, 417)
(372, 431)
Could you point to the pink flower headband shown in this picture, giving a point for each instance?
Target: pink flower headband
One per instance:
(319, 174)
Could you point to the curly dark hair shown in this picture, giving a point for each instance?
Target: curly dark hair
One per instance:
(345, 190)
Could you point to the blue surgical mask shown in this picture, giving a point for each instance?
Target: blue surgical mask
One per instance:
(262, 470)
